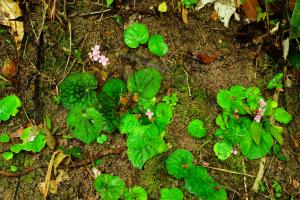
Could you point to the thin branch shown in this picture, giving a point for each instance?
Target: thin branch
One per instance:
(74, 165)
(228, 171)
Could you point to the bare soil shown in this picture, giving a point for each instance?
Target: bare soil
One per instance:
(43, 63)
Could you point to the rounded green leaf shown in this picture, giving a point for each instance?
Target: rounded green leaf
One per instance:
(128, 123)
(143, 143)
(276, 81)
(178, 163)
(201, 184)
(9, 107)
(36, 145)
(85, 124)
(16, 148)
(13, 168)
(110, 187)
(157, 45)
(135, 35)
(224, 98)
(188, 3)
(4, 137)
(145, 82)
(78, 90)
(163, 114)
(282, 116)
(253, 151)
(7, 155)
(222, 150)
(114, 88)
(171, 194)
(102, 139)
(196, 129)
(136, 193)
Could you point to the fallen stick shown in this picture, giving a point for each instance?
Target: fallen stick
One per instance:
(74, 165)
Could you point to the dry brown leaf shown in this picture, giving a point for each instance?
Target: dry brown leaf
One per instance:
(62, 176)
(46, 183)
(9, 68)
(249, 7)
(184, 15)
(214, 16)
(205, 58)
(9, 12)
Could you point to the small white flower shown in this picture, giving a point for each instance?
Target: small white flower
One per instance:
(96, 171)
(149, 114)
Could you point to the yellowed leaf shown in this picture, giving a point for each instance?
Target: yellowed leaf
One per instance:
(9, 12)
(59, 158)
(184, 15)
(50, 140)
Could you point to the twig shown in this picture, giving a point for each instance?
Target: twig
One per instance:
(187, 82)
(229, 171)
(74, 165)
(95, 13)
(260, 175)
(245, 180)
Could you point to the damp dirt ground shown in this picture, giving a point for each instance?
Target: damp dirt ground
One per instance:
(44, 60)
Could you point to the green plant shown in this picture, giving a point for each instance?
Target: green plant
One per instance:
(7, 155)
(146, 83)
(136, 34)
(188, 3)
(102, 139)
(255, 137)
(110, 187)
(4, 137)
(9, 106)
(85, 124)
(172, 100)
(180, 165)
(277, 189)
(196, 129)
(78, 90)
(32, 140)
(136, 193)
(142, 118)
(171, 194)
(144, 142)
(157, 45)
(109, 2)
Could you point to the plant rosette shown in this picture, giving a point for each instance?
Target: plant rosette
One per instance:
(245, 120)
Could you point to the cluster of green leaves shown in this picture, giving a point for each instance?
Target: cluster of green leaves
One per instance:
(238, 127)
(145, 135)
(9, 106)
(112, 188)
(188, 3)
(93, 113)
(197, 180)
(137, 34)
(32, 140)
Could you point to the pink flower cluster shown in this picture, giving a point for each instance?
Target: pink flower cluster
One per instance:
(149, 114)
(261, 110)
(96, 56)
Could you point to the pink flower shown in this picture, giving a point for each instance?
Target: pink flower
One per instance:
(95, 55)
(103, 60)
(234, 152)
(262, 103)
(149, 114)
(96, 48)
(257, 118)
